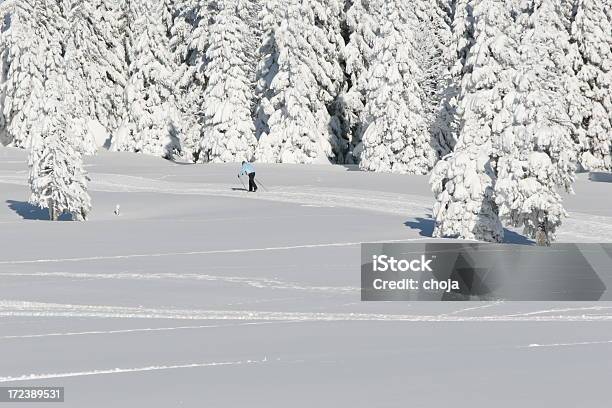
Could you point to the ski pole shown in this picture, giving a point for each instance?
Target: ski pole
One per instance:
(262, 184)
(242, 182)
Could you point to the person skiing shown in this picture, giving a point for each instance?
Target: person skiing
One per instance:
(248, 169)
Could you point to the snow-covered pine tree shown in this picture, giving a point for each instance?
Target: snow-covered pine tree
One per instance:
(308, 79)
(577, 102)
(362, 21)
(24, 39)
(433, 43)
(537, 152)
(395, 137)
(199, 40)
(183, 20)
(228, 133)
(57, 178)
(592, 33)
(270, 17)
(97, 65)
(463, 32)
(153, 122)
(100, 60)
(462, 38)
(464, 182)
(330, 16)
(4, 68)
(190, 85)
(568, 13)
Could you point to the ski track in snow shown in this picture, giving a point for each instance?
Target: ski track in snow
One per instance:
(212, 252)
(259, 283)
(37, 309)
(580, 343)
(566, 309)
(140, 330)
(469, 309)
(33, 377)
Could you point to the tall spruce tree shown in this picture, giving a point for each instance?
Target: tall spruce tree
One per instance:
(25, 38)
(153, 121)
(363, 21)
(308, 78)
(57, 178)
(228, 131)
(592, 33)
(184, 20)
(396, 137)
(100, 59)
(464, 182)
(433, 44)
(537, 154)
(267, 56)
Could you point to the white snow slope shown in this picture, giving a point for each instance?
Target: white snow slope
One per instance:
(199, 295)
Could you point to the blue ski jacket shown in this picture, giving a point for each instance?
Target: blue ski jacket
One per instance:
(247, 168)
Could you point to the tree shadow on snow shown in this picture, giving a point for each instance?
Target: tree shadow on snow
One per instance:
(180, 163)
(28, 211)
(426, 228)
(511, 237)
(600, 177)
(424, 225)
(351, 167)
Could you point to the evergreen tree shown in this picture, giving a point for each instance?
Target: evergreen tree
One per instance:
(271, 16)
(57, 179)
(153, 122)
(307, 81)
(537, 151)
(463, 33)
(97, 65)
(592, 33)
(396, 136)
(461, 21)
(228, 131)
(99, 62)
(25, 38)
(329, 16)
(4, 68)
(185, 19)
(363, 22)
(464, 182)
(429, 43)
(199, 40)
(433, 43)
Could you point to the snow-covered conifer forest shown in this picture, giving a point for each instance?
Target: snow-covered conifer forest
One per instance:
(501, 101)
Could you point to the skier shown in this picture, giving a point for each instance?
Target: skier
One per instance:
(248, 169)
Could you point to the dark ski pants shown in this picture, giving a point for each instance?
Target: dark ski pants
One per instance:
(252, 185)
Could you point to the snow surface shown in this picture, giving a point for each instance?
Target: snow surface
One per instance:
(201, 295)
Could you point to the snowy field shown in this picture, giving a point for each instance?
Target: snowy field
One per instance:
(202, 295)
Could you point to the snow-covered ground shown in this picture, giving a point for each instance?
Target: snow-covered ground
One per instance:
(203, 295)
